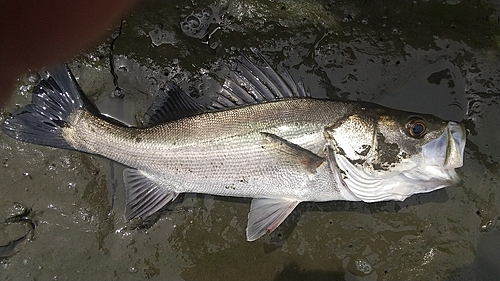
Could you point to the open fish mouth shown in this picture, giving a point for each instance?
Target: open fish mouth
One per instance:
(447, 150)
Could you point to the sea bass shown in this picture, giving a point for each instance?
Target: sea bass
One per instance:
(264, 137)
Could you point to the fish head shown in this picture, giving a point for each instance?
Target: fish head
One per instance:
(383, 154)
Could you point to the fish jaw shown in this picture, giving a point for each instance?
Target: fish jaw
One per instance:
(447, 150)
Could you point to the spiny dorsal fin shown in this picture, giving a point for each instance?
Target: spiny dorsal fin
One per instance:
(244, 85)
(250, 84)
(171, 104)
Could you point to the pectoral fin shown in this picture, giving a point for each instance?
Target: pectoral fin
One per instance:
(266, 214)
(292, 152)
(144, 194)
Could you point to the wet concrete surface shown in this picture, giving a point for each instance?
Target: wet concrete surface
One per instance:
(423, 56)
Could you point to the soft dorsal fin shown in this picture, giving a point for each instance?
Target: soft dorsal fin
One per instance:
(250, 84)
(171, 104)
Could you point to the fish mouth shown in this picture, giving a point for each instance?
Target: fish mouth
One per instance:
(441, 157)
(447, 150)
(456, 146)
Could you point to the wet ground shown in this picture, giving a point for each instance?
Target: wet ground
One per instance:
(438, 57)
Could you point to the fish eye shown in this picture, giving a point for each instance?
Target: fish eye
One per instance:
(416, 127)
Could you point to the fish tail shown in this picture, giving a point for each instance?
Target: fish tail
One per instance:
(54, 98)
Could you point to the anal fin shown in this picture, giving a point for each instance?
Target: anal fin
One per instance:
(292, 152)
(266, 214)
(144, 195)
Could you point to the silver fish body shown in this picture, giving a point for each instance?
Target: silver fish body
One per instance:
(225, 152)
(265, 139)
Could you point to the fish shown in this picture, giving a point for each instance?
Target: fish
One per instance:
(263, 137)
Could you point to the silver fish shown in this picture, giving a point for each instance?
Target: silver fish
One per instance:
(264, 138)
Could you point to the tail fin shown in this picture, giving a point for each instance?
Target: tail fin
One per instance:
(54, 98)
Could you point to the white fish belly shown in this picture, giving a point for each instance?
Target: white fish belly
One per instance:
(247, 171)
